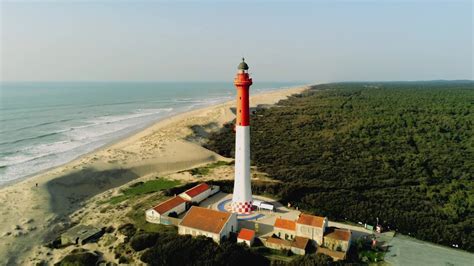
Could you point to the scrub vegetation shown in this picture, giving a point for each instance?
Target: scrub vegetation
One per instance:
(141, 188)
(399, 151)
(202, 171)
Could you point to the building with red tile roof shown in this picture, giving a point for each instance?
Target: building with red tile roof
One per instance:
(285, 224)
(285, 229)
(211, 223)
(338, 234)
(246, 236)
(298, 245)
(174, 204)
(312, 227)
(311, 220)
(197, 193)
(337, 239)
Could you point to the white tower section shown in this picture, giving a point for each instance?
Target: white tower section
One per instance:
(242, 197)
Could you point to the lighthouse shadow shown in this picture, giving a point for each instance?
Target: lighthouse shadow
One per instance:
(70, 191)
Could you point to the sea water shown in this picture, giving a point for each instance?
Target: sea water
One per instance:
(46, 124)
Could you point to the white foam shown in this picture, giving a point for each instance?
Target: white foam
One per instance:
(75, 141)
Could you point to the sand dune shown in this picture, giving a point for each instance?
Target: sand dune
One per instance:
(31, 213)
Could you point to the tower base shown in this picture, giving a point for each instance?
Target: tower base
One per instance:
(242, 207)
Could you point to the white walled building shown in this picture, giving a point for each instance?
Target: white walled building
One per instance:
(197, 193)
(284, 229)
(312, 227)
(174, 204)
(246, 236)
(211, 223)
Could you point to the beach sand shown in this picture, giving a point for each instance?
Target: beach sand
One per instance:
(35, 209)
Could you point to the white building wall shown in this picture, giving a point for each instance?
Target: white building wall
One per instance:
(214, 189)
(204, 195)
(198, 198)
(298, 251)
(311, 232)
(248, 243)
(185, 196)
(183, 230)
(153, 216)
(230, 226)
(282, 233)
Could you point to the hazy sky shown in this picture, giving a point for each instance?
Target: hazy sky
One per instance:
(204, 40)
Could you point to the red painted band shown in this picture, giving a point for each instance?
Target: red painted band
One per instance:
(242, 82)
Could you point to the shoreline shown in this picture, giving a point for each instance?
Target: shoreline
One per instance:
(30, 211)
(134, 132)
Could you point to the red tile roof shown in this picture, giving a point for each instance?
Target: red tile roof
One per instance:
(169, 204)
(278, 241)
(246, 234)
(300, 242)
(285, 224)
(338, 234)
(306, 219)
(336, 255)
(194, 191)
(205, 219)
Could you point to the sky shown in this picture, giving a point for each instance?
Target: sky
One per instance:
(310, 41)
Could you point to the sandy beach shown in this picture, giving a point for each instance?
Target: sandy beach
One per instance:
(35, 208)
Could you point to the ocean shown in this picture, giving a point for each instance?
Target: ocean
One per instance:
(46, 124)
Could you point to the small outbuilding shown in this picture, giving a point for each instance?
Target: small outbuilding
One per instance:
(81, 234)
(197, 193)
(337, 239)
(175, 204)
(246, 236)
(300, 245)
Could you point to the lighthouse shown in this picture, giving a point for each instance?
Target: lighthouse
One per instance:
(242, 197)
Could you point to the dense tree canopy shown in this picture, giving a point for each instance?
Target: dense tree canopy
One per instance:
(172, 249)
(403, 152)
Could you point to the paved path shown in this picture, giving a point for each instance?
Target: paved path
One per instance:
(406, 250)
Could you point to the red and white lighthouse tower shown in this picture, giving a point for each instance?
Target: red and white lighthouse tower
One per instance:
(242, 197)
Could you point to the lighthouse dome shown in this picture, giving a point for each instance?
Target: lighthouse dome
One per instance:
(243, 65)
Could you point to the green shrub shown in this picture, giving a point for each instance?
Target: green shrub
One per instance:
(79, 259)
(127, 229)
(141, 241)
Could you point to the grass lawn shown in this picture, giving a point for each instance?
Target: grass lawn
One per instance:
(141, 188)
